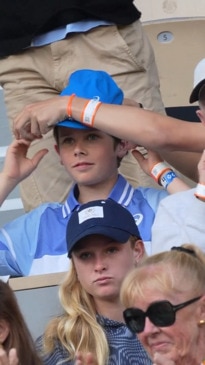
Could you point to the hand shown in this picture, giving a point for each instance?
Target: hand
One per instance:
(85, 359)
(147, 161)
(38, 118)
(17, 166)
(201, 168)
(10, 359)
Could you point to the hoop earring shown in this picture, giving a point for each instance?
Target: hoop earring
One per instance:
(202, 321)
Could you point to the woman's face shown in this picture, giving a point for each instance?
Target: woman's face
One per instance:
(178, 342)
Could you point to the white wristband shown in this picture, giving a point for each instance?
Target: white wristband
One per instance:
(200, 191)
(158, 170)
(90, 111)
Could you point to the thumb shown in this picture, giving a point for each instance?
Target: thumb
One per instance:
(138, 156)
(38, 156)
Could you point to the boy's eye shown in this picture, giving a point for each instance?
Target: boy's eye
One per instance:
(92, 137)
(67, 140)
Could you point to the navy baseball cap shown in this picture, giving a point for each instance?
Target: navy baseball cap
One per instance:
(90, 84)
(105, 217)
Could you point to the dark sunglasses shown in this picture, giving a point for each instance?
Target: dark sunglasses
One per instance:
(161, 314)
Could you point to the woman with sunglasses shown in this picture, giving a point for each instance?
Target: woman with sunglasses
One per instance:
(164, 299)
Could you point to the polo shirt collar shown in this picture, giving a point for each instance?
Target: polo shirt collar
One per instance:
(122, 193)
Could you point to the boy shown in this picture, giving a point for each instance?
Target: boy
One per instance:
(35, 242)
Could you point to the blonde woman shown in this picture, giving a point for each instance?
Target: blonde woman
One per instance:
(165, 305)
(104, 244)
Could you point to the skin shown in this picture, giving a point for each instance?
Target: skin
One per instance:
(11, 358)
(166, 133)
(90, 158)
(17, 166)
(101, 265)
(180, 343)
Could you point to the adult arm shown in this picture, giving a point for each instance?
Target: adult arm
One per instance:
(180, 218)
(146, 128)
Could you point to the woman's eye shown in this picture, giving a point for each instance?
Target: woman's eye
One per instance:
(85, 255)
(112, 250)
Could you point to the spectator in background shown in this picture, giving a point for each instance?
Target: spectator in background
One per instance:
(104, 244)
(43, 42)
(164, 297)
(17, 346)
(185, 212)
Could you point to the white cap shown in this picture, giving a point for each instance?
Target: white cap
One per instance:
(199, 80)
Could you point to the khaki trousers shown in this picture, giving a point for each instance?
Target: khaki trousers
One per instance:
(39, 73)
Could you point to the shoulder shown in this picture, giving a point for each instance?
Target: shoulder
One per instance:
(59, 354)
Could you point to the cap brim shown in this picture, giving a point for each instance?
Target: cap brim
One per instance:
(195, 92)
(72, 124)
(116, 234)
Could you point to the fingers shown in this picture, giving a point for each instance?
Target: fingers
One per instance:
(85, 359)
(10, 359)
(138, 156)
(13, 358)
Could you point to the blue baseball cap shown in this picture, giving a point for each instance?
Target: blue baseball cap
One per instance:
(104, 217)
(90, 84)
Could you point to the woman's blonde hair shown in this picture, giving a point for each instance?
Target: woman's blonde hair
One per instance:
(77, 329)
(172, 271)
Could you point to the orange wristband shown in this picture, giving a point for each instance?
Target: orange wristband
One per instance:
(69, 106)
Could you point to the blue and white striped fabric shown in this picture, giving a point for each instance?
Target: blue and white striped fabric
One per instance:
(35, 243)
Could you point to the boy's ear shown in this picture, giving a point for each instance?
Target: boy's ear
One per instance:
(4, 330)
(124, 146)
(201, 115)
(139, 250)
(56, 148)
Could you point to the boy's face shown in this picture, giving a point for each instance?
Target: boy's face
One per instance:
(89, 156)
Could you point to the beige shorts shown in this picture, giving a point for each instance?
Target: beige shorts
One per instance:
(40, 73)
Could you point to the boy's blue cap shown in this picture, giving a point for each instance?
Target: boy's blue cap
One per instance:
(104, 217)
(90, 84)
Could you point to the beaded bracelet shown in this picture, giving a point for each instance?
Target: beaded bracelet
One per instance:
(158, 170)
(89, 112)
(200, 192)
(69, 106)
(167, 178)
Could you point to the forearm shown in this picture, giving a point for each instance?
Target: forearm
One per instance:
(146, 128)
(6, 186)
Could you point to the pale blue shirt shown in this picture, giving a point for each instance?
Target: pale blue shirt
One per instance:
(62, 32)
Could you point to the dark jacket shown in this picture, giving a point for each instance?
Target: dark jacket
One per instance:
(21, 20)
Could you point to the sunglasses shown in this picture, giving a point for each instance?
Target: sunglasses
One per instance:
(161, 314)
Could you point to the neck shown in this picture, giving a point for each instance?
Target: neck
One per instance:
(110, 309)
(95, 192)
